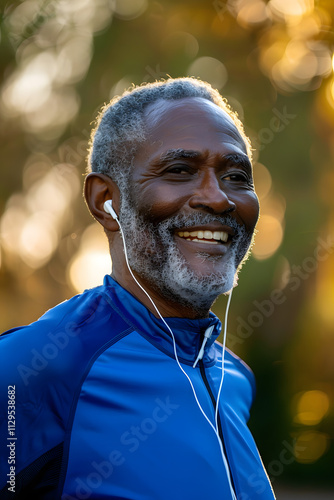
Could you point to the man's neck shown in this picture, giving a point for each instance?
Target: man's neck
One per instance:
(166, 306)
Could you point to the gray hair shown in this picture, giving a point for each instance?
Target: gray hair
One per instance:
(120, 126)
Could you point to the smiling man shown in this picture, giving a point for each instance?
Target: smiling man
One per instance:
(122, 391)
(188, 209)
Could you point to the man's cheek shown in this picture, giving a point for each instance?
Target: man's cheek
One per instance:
(248, 209)
(252, 210)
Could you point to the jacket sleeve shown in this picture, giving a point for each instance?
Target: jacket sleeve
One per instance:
(43, 365)
(30, 424)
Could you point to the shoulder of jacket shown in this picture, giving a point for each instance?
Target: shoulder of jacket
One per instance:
(72, 313)
(65, 338)
(240, 366)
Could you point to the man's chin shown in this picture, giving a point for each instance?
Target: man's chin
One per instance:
(198, 292)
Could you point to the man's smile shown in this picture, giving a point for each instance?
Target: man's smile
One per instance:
(207, 235)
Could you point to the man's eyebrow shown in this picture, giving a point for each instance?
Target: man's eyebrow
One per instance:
(178, 154)
(238, 159)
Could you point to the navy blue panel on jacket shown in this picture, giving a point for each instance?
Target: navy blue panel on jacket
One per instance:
(103, 411)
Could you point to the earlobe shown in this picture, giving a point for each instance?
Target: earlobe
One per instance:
(97, 190)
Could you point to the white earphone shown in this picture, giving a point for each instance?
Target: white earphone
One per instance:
(109, 209)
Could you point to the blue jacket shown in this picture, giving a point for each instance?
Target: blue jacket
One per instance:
(103, 411)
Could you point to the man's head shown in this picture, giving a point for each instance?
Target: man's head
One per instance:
(121, 125)
(181, 162)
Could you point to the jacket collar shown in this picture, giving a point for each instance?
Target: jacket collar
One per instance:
(188, 333)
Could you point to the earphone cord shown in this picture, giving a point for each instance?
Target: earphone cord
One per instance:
(215, 428)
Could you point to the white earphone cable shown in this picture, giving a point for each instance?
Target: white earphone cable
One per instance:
(223, 354)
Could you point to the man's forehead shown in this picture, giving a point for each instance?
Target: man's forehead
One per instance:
(155, 111)
(189, 115)
(194, 125)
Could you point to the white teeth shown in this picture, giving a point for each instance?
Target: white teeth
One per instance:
(194, 233)
(208, 236)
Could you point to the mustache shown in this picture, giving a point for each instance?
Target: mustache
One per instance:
(199, 219)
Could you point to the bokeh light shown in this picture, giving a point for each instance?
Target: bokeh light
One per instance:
(54, 51)
(270, 227)
(292, 54)
(324, 292)
(210, 70)
(309, 446)
(311, 407)
(38, 239)
(268, 238)
(291, 11)
(129, 9)
(120, 87)
(262, 180)
(12, 223)
(330, 93)
(252, 13)
(32, 222)
(91, 262)
(181, 42)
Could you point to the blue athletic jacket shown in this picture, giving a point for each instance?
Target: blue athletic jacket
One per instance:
(100, 408)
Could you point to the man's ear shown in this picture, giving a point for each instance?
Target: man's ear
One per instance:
(98, 189)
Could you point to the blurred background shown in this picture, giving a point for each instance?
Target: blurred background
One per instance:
(273, 60)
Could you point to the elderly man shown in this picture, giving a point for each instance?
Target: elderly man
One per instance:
(122, 392)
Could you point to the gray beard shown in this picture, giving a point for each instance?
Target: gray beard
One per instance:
(155, 257)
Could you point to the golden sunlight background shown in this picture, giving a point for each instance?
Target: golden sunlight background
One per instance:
(274, 62)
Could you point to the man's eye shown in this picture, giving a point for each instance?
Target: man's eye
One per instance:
(237, 177)
(178, 169)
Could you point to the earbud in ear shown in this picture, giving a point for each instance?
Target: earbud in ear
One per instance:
(109, 209)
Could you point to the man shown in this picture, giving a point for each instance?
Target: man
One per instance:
(116, 389)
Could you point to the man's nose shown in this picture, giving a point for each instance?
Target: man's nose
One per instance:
(209, 195)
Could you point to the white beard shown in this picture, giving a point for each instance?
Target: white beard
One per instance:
(154, 256)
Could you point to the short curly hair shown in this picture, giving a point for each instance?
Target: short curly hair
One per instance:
(120, 125)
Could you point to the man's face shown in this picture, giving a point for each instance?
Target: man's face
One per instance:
(190, 211)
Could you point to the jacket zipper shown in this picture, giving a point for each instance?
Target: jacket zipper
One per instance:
(214, 402)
